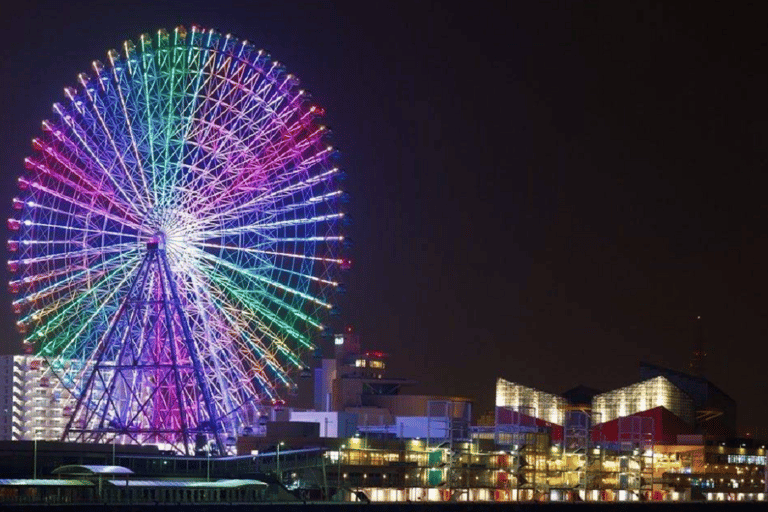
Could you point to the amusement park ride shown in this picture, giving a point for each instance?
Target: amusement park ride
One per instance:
(178, 240)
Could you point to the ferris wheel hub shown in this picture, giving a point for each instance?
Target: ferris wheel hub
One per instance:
(156, 241)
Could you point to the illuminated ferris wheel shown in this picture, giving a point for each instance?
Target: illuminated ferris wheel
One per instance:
(178, 237)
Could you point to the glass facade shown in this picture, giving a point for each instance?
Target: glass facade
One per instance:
(530, 401)
(642, 396)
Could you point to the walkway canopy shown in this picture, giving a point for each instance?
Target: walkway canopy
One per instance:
(189, 484)
(92, 470)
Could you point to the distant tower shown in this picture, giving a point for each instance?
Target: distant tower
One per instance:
(698, 356)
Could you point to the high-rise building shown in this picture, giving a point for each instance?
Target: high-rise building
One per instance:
(34, 403)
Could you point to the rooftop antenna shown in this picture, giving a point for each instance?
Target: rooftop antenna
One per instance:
(696, 365)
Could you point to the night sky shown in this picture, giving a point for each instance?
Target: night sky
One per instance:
(549, 193)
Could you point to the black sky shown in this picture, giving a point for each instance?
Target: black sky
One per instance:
(548, 193)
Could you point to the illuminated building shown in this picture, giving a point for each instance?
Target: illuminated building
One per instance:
(355, 381)
(715, 411)
(634, 443)
(531, 402)
(666, 437)
(643, 396)
(35, 405)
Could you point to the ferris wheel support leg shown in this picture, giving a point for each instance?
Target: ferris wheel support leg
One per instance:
(192, 348)
(174, 357)
(107, 341)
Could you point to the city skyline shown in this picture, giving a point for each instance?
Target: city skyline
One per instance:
(542, 194)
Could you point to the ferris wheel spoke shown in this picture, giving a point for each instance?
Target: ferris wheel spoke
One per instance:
(83, 277)
(256, 278)
(142, 73)
(276, 165)
(245, 297)
(109, 133)
(216, 136)
(251, 250)
(83, 206)
(80, 134)
(328, 238)
(267, 227)
(234, 212)
(92, 275)
(244, 170)
(282, 190)
(251, 340)
(123, 88)
(243, 340)
(58, 322)
(202, 60)
(325, 198)
(177, 123)
(299, 178)
(226, 369)
(242, 297)
(288, 189)
(206, 182)
(239, 111)
(76, 255)
(245, 344)
(300, 275)
(150, 77)
(207, 139)
(203, 97)
(85, 188)
(70, 229)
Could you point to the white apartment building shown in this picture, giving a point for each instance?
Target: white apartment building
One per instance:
(34, 403)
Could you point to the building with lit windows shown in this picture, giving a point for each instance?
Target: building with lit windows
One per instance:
(657, 439)
(356, 382)
(35, 405)
(668, 436)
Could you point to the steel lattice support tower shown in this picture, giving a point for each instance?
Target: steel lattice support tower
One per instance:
(147, 383)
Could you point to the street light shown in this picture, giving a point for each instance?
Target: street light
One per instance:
(208, 465)
(338, 473)
(279, 476)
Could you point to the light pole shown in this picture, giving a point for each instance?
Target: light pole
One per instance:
(208, 466)
(338, 473)
(279, 476)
